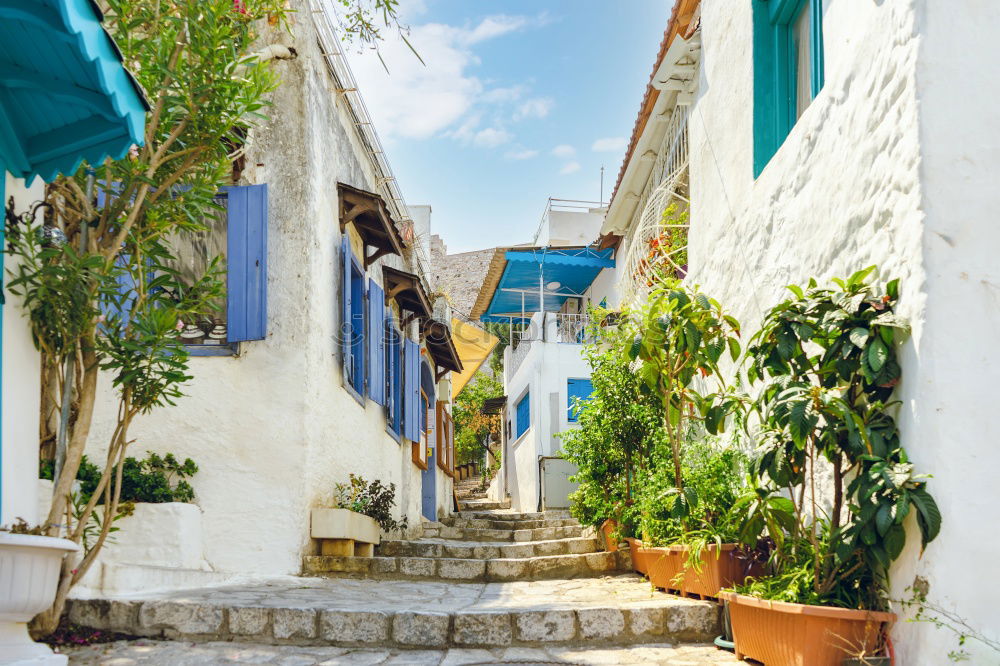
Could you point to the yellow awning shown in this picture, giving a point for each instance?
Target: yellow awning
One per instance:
(474, 347)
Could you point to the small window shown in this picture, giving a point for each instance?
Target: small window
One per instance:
(788, 68)
(236, 233)
(577, 394)
(523, 412)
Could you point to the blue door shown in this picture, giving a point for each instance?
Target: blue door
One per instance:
(428, 477)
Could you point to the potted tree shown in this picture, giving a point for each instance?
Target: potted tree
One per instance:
(826, 363)
(679, 340)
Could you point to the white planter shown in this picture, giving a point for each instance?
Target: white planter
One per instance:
(344, 533)
(29, 574)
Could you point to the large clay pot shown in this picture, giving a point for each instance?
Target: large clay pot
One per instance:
(29, 574)
(608, 528)
(719, 568)
(779, 633)
(639, 555)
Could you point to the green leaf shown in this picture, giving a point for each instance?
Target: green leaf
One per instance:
(892, 289)
(883, 518)
(877, 354)
(859, 336)
(734, 348)
(928, 515)
(894, 541)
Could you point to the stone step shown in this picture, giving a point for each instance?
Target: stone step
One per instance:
(618, 610)
(487, 551)
(489, 524)
(441, 531)
(512, 516)
(482, 505)
(547, 567)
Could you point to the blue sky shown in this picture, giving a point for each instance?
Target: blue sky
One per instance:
(519, 100)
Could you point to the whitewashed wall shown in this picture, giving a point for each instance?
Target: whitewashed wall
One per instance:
(21, 387)
(273, 430)
(895, 164)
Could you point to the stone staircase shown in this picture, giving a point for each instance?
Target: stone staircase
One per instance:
(483, 579)
(483, 545)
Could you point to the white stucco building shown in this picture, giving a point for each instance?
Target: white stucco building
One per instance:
(885, 151)
(540, 292)
(332, 359)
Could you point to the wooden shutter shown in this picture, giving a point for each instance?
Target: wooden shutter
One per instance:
(246, 282)
(345, 306)
(523, 414)
(376, 342)
(576, 389)
(411, 390)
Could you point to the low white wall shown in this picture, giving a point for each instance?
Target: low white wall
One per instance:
(165, 535)
(21, 387)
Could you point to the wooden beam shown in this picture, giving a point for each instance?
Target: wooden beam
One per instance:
(379, 252)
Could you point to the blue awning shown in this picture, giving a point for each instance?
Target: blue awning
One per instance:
(64, 95)
(561, 273)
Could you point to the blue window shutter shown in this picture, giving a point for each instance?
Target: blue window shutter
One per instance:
(345, 306)
(411, 390)
(125, 298)
(577, 389)
(246, 260)
(376, 342)
(523, 414)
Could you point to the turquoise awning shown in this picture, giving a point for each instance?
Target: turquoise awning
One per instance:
(65, 96)
(560, 272)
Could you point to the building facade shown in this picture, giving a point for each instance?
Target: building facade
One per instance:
(540, 292)
(876, 146)
(333, 359)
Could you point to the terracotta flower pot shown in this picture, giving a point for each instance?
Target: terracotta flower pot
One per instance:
(639, 555)
(719, 568)
(779, 633)
(608, 528)
(664, 565)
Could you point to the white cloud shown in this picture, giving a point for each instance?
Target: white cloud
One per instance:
(494, 26)
(490, 138)
(525, 154)
(564, 150)
(609, 145)
(538, 107)
(442, 97)
(570, 167)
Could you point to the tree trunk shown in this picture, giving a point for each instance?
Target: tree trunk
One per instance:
(77, 443)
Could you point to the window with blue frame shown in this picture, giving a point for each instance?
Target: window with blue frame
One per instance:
(353, 329)
(236, 232)
(577, 394)
(522, 415)
(788, 69)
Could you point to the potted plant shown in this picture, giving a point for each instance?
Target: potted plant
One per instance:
(30, 564)
(360, 512)
(699, 555)
(826, 362)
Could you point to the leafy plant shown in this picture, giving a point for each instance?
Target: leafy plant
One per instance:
(374, 500)
(473, 428)
(826, 362)
(616, 434)
(680, 338)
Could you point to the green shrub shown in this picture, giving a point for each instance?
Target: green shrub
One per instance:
(155, 480)
(374, 500)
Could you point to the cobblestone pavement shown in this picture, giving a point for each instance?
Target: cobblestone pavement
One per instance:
(629, 590)
(147, 652)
